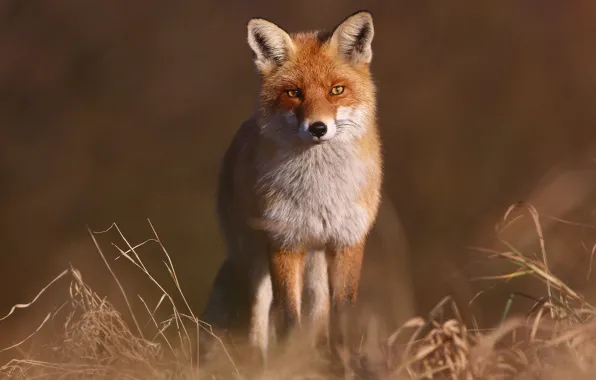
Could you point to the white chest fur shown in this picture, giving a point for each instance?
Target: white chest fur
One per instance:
(312, 196)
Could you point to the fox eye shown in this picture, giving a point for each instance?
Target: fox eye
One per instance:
(337, 90)
(293, 93)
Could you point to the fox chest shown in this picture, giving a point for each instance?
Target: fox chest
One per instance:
(315, 198)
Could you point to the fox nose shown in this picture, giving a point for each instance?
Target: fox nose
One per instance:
(318, 129)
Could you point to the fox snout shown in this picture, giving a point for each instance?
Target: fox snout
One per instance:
(317, 131)
(344, 124)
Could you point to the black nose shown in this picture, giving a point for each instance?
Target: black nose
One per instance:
(318, 129)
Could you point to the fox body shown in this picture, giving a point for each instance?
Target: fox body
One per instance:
(300, 183)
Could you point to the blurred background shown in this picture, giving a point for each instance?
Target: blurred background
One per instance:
(116, 111)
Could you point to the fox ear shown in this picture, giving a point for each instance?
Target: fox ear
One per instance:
(353, 37)
(270, 43)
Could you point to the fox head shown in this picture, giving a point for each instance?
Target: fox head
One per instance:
(316, 87)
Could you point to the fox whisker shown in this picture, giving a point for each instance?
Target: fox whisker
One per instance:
(342, 124)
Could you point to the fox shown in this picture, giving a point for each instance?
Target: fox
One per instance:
(300, 183)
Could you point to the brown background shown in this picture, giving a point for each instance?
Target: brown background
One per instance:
(115, 111)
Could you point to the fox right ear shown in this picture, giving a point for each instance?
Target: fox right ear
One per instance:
(270, 43)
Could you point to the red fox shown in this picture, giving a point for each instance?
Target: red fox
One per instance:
(299, 187)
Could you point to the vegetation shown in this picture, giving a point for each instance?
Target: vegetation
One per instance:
(556, 338)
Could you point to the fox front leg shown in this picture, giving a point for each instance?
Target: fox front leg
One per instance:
(287, 270)
(343, 268)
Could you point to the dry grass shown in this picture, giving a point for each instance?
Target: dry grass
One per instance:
(556, 339)
(97, 343)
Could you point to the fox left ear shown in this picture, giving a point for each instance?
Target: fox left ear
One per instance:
(353, 37)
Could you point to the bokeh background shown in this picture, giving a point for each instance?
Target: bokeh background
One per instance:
(118, 111)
